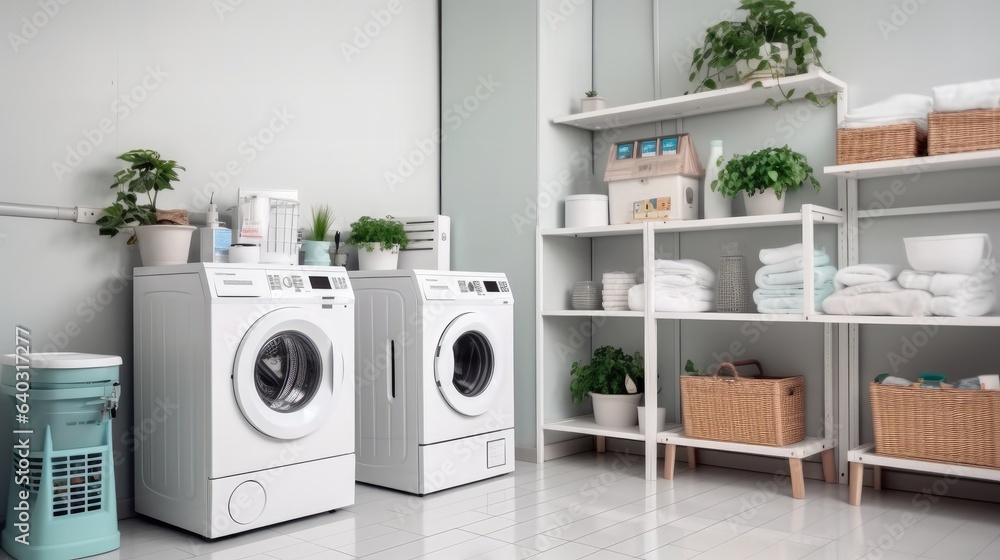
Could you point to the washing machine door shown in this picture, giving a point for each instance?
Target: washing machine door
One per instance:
(466, 365)
(286, 373)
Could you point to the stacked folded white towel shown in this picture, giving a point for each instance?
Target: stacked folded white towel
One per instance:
(781, 281)
(872, 289)
(906, 107)
(683, 285)
(614, 294)
(954, 295)
(984, 94)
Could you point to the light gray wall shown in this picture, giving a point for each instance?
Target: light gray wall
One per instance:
(356, 84)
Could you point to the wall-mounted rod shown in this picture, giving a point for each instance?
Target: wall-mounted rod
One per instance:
(80, 214)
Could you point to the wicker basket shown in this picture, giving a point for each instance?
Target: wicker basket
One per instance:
(877, 143)
(948, 425)
(763, 410)
(963, 131)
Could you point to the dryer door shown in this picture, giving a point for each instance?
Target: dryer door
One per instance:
(286, 373)
(466, 365)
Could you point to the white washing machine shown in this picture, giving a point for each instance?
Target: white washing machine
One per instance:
(244, 394)
(434, 377)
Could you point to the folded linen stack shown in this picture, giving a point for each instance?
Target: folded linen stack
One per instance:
(984, 94)
(954, 295)
(614, 295)
(872, 289)
(781, 281)
(682, 285)
(906, 107)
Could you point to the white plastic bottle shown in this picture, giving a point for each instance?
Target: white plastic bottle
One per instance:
(214, 239)
(716, 205)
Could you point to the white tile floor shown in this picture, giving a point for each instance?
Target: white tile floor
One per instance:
(599, 507)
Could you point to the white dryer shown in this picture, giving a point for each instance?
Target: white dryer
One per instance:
(435, 379)
(244, 402)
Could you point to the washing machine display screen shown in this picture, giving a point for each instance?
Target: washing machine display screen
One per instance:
(287, 371)
(473, 363)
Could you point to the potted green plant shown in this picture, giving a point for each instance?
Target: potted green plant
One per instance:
(772, 41)
(139, 186)
(613, 380)
(592, 102)
(315, 247)
(378, 242)
(763, 177)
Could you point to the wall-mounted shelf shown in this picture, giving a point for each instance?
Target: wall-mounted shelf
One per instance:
(715, 101)
(914, 166)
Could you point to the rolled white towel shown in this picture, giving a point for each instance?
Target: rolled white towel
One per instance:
(961, 306)
(865, 274)
(983, 94)
(781, 254)
(946, 284)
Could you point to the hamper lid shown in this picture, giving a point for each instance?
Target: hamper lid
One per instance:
(63, 360)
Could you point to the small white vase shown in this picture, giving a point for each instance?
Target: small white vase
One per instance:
(162, 245)
(661, 419)
(747, 71)
(379, 259)
(764, 203)
(616, 410)
(316, 252)
(588, 104)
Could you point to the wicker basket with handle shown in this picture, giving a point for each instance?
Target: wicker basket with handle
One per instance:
(948, 425)
(762, 410)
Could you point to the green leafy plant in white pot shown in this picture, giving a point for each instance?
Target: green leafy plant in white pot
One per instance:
(315, 247)
(378, 242)
(763, 177)
(139, 186)
(612, 380)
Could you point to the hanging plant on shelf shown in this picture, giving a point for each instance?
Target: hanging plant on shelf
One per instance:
(773, 41)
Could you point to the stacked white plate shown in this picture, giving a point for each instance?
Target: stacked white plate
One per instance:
(585, 295)
(615, 292)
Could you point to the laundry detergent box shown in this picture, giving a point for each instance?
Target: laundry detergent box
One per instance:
(653, 179)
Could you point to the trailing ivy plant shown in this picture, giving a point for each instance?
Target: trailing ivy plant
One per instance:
(368, 233)
(779, 169)
(147, 175)
(767, 21)
(605, 373)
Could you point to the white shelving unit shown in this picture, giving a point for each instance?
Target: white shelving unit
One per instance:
(567, 254)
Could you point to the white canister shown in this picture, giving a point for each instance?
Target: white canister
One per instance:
(586, 210)
(244, 253)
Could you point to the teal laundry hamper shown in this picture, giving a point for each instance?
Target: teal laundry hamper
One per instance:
(61, 500)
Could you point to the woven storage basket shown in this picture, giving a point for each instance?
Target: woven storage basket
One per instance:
(948, 425)
(763, 411)
(963, 131)
(877, 143)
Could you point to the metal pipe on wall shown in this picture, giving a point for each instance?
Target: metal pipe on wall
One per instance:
(38, 211)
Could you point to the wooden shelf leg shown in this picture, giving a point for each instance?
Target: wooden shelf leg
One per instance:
(798, 481)
(829, 469)
(669, 456)
(600, 444)
(857, 480)
(877, 477)
(692, 457)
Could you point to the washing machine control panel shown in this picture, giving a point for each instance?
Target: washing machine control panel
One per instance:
(466, 288)
(283, 283)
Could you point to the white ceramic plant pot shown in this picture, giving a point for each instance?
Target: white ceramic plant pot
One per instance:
(593, 104)
(616, 410)
(379, 259)
(316, 252)
(764, 203)
(163, 245)
(747, 71)
(661, 419)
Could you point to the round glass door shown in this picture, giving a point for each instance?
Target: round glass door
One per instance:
(466, 366)
(286, 373)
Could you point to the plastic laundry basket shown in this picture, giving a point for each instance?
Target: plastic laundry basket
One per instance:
(61, 499)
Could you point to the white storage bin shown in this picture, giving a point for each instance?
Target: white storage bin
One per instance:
(632, 200)
(586, 210)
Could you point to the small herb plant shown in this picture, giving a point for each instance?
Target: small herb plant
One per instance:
(147, 175)
(690, 369)
(767, 22)
(368, 233)
(779, 169)
(591, 93)
(322, 221)
(605, 373)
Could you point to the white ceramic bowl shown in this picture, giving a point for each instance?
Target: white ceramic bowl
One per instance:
(957, 254)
